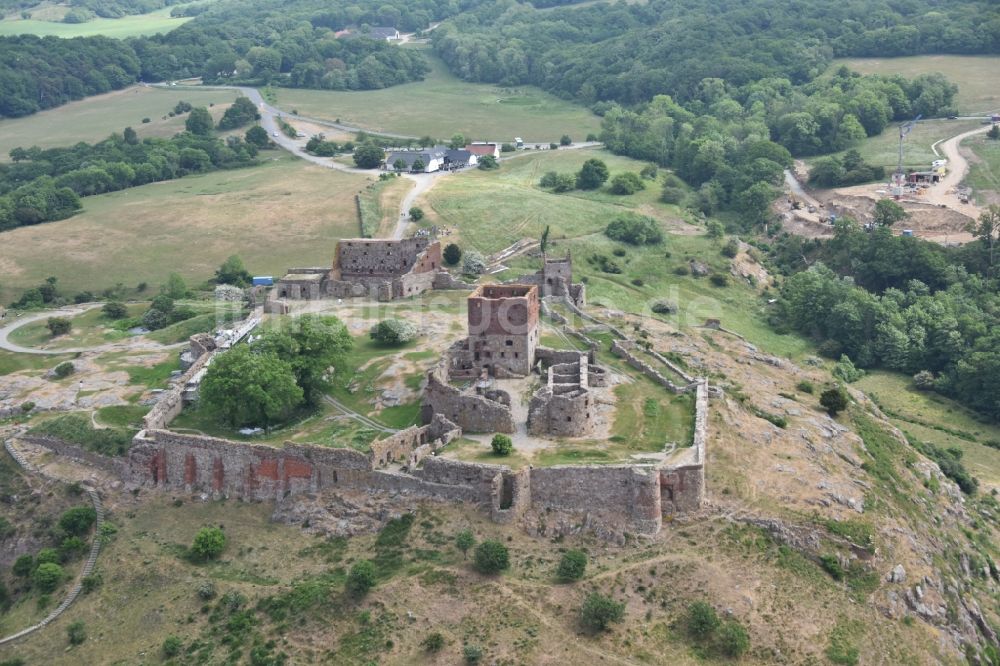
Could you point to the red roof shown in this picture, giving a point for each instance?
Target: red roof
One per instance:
(482, 148)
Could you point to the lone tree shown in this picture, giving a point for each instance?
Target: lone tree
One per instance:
(257, 136)
(452, 254)
(457, 141)
(361, 579)
(834, 400)
(368, 155)
(311, 345)
(473, 263)
(599, 611)
(399, 164)
(199, 122)
(572, 566)
(502, 445)
(244, 387)
(491, 557)
(888, 212)
(565, 140)
(114, 310)
(58, 326)
(232, 271)
(592, 174)
(416, 213)
(464, 540)
(208, 544)
(418, 166)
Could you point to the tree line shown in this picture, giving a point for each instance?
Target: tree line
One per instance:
(44, 185)
(631, 52)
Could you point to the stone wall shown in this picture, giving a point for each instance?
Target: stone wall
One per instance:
(628, 493)
(221, 468)
(369, 257)
(171, 401)
(445, 280)
(622, 348)
(110, 465)
(410, 446)
(471, 412)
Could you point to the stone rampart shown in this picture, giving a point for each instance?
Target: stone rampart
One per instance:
(72, 451)
(622, 348)
(470, 411)
(171, 401)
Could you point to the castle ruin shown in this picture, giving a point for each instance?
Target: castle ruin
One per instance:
(375, 268)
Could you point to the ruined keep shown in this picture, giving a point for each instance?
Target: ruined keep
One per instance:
(556, 279)
(503, 330)
(564, 407)
(380, 269)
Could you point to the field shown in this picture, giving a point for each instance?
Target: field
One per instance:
(976, 76)
(95, 118)
(491, 210)
(883, 150)
(984, 169)
(128, 26)
(91, 328)
(283, 213)
(442, 105)
(938, 420)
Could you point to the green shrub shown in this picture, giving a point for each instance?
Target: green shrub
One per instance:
(64, 369)
(47, 555)
(416, 213)
(491, 557)
(452, 254)
(78, 520)
(719, 279)
(393, 332)
(433, 643)
(47, 576)
(732, 639)
(844, 370)
(831, 565)
(91, 582)
(805, 387)
(731, 249)
(58, 326)
(572, 566)
(682, 270)
(206, 590)
(473, 654)
(71, 548)
(465, 540)
(27, 406)
(172, 646)
(701, 620)
(627, 183)
(114, 310)
(208, 544)
(502, 445)
(76, 632)
(23, 566)
(634, 229)
(473, 263)
(599, 611)
(663, 307)
(834, 400)
(361, 579)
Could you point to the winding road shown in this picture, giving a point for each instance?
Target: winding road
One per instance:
(12, 326)
(958, 167)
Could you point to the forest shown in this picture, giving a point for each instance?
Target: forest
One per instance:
(45, 185)
(629, 53)
(900, 303)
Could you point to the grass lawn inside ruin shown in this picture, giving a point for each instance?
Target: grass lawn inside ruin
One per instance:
(442, 105)
(94, 118)
(282, 213)
(120, 28)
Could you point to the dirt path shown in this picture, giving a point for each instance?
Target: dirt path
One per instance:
(943, 194)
